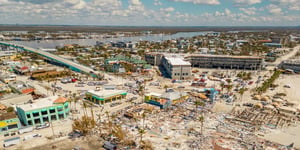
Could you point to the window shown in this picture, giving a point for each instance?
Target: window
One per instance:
(52, 110)
(59, 109)
(45, 119)
(37, 121)
(61, 116)
(30, 122)
(44, 112)
(12, 126)
(28, 115)
(53, 117)
(35, 114)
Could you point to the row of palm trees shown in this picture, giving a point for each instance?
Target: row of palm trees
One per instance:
(268, 83)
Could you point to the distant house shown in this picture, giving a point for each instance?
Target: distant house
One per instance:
(21, 87)
(21, 69)
(276, 45)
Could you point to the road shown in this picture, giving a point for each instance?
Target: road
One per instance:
(55, 58)
(284, 57)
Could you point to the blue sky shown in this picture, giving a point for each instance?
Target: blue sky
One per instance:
(152, 12)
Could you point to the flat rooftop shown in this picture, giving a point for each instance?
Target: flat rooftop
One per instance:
(176, 59)
(8, 115)
(19, 85)
(225, 56)
(41, 103)
(106, 93)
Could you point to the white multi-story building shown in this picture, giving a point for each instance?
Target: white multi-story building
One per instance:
(176, 67)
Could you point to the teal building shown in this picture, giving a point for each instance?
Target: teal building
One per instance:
(43, 110)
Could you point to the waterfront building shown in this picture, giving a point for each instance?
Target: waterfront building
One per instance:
(43, 110)
(225, 62)
(291, 64)
(166, 99)
(175, 67)
(209, 61)
(103, 96)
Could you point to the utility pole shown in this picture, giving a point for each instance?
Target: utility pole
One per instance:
(52, 128)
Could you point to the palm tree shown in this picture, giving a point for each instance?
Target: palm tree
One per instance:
(229, 87)
(143, 116)
(199, 103)
(241, 92)
(141, 133)
(84, 109)
(196, 103)
(222, 86)
(201, 119)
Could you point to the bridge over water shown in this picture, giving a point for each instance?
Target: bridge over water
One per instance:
(68, 63)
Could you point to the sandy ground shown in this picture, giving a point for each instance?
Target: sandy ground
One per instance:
(293, 93)
(285, 136)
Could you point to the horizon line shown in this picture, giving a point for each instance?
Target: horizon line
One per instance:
(147, 25)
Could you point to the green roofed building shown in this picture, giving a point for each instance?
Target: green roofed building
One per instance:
(43, 110)
(103, 96)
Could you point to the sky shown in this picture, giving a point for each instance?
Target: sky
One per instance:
(152, 12)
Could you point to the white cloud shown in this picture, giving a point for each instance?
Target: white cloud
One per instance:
(157, 3)
(169, 9)
(217, 14)
(249, 11)
(247, 2)
(209, 2)
(274, 9)
(290, 4)
(113, 12)
(295, 7)
(227, 12)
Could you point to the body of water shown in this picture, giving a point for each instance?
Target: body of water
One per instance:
(92, 42)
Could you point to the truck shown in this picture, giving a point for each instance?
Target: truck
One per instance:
(11, 142)
(25, 130)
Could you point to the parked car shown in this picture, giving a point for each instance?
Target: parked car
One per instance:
(27, 137)
(79, 85)
(91, 84)
(287, 86)
(42, 126)
(75, 134)
(109, 146)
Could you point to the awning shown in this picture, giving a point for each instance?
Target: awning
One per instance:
(3, 124)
